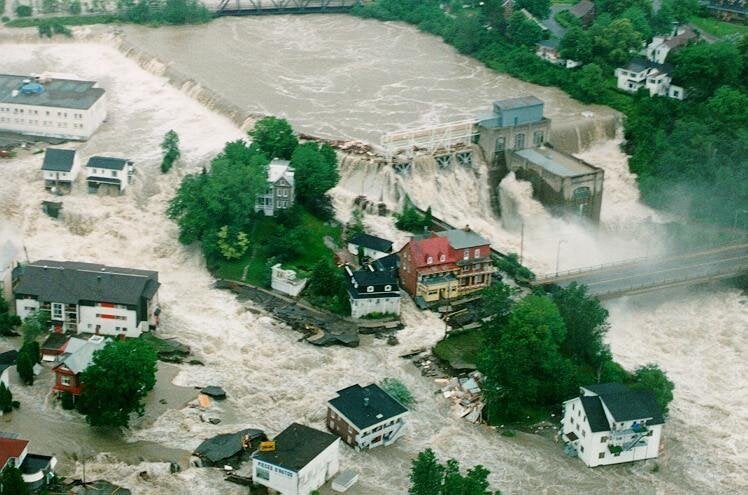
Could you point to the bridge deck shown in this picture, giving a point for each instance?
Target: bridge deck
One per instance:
(267, 7)
(642, 275)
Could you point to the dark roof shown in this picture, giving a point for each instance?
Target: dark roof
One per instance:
(297, 446)
(4, 367)
(226, 445)
(372, 242)
(55, 341)
(353, 404)
(390, 262)
(633, 404)
(368, 277)
(70, 282)
(640, 64)
(593, 408)
(57, 160)
(582, 8)
(61, 93)
(607, 388)
(9, 357)
(108, 162)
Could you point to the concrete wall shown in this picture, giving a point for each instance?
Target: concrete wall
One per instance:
(64, 123)
(488, 138)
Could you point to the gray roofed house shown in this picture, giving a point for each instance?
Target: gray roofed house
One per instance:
(463, 238)
(296, 446)
(371, 291)
(108, 162)
(229, 447)
(62, 93)
(371, 242)
(58, 160)
(79, 359)
(391, 262)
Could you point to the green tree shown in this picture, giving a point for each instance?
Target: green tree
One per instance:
(639, 20)
(576, 45)
(615, 42)
(356, 224)
(6, 399)
(11, 481)
(586, 323)
(232, 246)
(538, 8)
(591, 83)
(316, 172)
(8, 321)
(411, 220)
(682, 10)
(170, 148)
(50, 6)
(522, 30)
(728, 106)
(524, 367)
(616, 7)
(426, 474)
(24, 10)
(324, 279)
(398, 390)
(35, 325)
(467, 34)
(274, 137)
(117, 380)
(75, 7)
(703, 67)
(651, 377)
(28, 356)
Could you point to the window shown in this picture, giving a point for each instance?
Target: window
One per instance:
(262, 473)
(500, 144)
(442, 258)
(57, 311)
(65, 380)
(603, 439)
(519, 141)
(601, 455)
(477, 253)
(114, 173)
(370, 288)
(572, 420)
(537, 138)
(584, 433)
(676, 93)
(466, 254)
(581, 448)
(479, 279)
(387, 288)
(429, 260)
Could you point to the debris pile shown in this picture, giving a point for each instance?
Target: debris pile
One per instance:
(466, 395)
(352, 147)
(229, 448)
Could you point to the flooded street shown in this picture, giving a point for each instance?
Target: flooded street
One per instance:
(270, 378)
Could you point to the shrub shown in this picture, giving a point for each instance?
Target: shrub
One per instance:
(68, 401)
(24, 10)
(397, 390)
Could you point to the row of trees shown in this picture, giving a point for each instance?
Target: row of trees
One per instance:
(684, 153)
(428, 476)
(540, 349)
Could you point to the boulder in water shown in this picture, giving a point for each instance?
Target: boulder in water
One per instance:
(215, 392)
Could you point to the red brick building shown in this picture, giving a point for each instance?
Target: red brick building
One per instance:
(77, 357)
(445, 265)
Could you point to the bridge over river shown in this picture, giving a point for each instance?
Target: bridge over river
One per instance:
(264, 7)
(644, 275)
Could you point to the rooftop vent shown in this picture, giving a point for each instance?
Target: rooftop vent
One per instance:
(96, 339)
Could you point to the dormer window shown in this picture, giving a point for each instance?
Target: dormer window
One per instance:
(370, 288)
(442, 258)
(387, 288)
(429, 260)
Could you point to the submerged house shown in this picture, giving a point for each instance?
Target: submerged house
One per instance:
(301, 461)
(108, 173)
(60, 169)
(371, 291)
(229, 448)
(36, 470)
(77, 357)
(609, 424)
(366, 417)
(280, 191)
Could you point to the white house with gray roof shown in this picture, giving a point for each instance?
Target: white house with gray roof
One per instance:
(88, 297)
(60, 169)
(109, 173)
(280, 188)
(609, 424)
(50, 107)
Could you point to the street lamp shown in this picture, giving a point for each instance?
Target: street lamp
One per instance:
(558, 253)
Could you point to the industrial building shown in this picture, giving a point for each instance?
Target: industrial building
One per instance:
(515, 124)
(53, 108)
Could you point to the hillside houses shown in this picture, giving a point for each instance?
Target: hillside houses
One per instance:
(656, 78)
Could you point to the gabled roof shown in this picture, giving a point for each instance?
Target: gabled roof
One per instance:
(297, 446)
(640, 64)
(11, 447)
(369, 277)
(433, 247)
(633, 405)
(55, 342)
(278, 169)
(681, 39)
(58, 160)
(371, 242)
(70, 282)
(606, 388)
(366, 406)
(463, 238)
(582, 8)
(79, 360)
(227, 445)
(595, 413)
(387, 263)
(107, 162)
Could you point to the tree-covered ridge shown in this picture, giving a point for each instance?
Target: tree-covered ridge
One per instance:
(691, 156)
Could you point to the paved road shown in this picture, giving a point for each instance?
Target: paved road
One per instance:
(648, 274)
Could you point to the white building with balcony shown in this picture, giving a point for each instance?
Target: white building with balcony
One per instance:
(105, 172)
(366, 417)
(656, 78)
(49, 107)
(610, 424)
(88, 297)
(302, 460)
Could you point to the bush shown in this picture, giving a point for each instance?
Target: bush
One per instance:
(510, 265)
(397, 390)
(6, 399)
(24, 10)
(411, 220)
(68, 401)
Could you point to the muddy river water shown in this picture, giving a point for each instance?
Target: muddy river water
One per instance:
(343, 77)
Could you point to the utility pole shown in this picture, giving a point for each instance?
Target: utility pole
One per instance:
(522, 243)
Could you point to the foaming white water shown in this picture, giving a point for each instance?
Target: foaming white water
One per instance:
(271, 379)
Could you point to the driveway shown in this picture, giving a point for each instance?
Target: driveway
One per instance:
(554, 27)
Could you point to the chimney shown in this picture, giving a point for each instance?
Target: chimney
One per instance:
(467, 228)
(366, 401)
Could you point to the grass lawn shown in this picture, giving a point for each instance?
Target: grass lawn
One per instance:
(255, 261)
(460, 348)
(718, 28)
